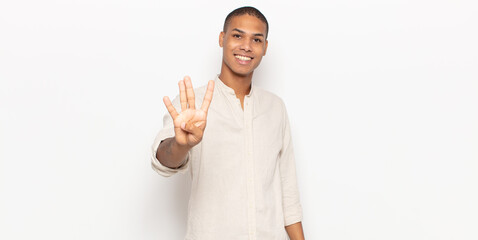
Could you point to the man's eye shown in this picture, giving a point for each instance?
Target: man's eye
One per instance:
(257, 40)
(236, 35)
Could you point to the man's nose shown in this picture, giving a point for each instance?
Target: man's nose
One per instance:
(246, 45)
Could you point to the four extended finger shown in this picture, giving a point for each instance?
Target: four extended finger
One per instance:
(183, 96)
(208, 96)
(172, 111)
(189, 92)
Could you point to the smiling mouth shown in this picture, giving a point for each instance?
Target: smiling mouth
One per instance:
(243, 58)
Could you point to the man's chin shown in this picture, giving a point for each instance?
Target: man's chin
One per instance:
(239, 71)
(243, 74)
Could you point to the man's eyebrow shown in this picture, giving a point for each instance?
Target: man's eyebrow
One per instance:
(255, 34)
(238, 30)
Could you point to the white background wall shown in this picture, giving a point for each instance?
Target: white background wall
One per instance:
(382, 97)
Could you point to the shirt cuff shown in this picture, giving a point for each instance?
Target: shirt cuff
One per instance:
(293, 215)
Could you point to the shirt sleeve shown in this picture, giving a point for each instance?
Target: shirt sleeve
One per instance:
(290, 193)
(166, 132)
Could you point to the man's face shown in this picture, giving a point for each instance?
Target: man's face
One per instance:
(244, 44)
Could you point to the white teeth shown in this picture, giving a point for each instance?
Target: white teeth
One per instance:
(243, 58)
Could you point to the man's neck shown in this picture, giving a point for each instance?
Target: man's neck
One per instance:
(240, 84)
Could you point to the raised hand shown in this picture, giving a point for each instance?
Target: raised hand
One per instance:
(189, 125)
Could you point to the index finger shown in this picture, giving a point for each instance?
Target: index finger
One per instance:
(208, 96)
(172, 111)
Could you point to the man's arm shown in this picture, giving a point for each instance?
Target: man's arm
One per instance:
(290, 192)
(171, 154)
(295, 231)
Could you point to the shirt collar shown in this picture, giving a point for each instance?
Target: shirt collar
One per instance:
(227, 89)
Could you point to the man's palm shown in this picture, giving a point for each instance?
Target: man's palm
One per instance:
(189, 125)
(196, 117)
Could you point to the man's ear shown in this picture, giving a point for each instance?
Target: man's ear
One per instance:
(265, 49)
(221, 39)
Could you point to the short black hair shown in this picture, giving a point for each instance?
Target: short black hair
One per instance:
(252, 11)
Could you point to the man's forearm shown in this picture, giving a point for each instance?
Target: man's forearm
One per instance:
(170, 153)
(295, 231)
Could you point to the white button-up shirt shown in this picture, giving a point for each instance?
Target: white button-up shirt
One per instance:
(244, 183)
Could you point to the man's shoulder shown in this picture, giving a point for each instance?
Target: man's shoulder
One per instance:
(268, 96)
(201, 89)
